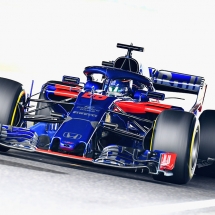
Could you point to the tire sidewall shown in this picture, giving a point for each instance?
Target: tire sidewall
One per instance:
(182, 144)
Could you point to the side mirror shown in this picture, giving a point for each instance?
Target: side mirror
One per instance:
(143, 96)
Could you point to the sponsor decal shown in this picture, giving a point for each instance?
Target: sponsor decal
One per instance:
(84, 113)
(71, 135)
(87, 108)
(177, 80)
(167, 161)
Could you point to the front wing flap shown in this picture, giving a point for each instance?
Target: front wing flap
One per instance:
(156, 162)
(18, 138)
(114, 156)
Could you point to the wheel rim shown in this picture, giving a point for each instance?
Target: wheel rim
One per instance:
(194, 151)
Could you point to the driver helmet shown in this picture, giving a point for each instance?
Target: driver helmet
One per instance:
(120, 87)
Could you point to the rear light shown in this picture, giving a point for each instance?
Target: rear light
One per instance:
(167, 161)
(200, 108)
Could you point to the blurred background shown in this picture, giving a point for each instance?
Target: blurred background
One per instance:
(45, 39)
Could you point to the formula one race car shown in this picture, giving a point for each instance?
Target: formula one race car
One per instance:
(123, 119)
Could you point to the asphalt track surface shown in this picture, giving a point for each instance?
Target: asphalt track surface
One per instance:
(32, 183)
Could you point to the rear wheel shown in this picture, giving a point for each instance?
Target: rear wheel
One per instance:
(11, 95)
(207, 141)
(178, 132)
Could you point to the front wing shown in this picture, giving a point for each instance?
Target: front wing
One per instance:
(115, 156)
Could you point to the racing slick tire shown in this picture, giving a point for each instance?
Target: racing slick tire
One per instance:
(207, 141)
(177, 132)
(11, 94)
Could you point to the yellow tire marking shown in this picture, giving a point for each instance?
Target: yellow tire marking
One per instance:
(152, 135)
(191, 171)
(14, 112)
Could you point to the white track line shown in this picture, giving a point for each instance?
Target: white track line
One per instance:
(168, 208)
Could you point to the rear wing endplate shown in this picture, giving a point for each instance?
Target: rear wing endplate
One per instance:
(176, 82)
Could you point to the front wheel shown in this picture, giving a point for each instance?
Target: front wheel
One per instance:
(11, 95)
(177, 132)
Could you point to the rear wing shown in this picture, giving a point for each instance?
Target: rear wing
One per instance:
(176, 82)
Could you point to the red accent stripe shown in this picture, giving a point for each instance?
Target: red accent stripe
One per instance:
(62, 87)
(76, 88)
(66, 93)
(142, 107)
(48, 152)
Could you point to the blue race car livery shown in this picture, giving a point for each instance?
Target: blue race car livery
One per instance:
(123, 120)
